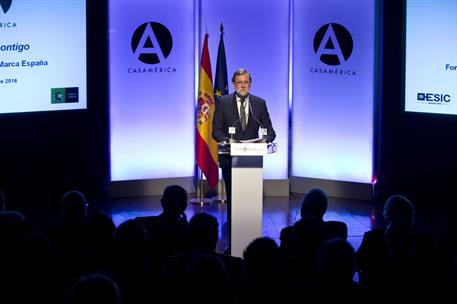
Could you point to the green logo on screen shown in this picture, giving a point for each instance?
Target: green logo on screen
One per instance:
(64, 95)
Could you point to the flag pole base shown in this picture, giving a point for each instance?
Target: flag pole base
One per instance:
(220, 199)
(201, 201)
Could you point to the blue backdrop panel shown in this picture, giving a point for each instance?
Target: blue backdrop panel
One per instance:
(333, 69)
(151, 89)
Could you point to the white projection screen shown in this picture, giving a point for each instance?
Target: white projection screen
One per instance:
(431, 56)
(42, 55)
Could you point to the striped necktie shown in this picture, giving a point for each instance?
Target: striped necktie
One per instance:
(243, 113)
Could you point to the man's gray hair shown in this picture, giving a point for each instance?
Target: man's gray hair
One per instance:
(241, 71)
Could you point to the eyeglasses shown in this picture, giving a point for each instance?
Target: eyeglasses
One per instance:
(238, 83)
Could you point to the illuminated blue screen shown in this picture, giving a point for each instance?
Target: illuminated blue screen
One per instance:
(431, 56)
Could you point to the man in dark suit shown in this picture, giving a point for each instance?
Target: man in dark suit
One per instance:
(239, 116)
(167, 232)
(179, 270)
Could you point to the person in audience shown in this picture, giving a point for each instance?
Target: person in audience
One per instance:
(101, 228)
(446, 261)
(372, 252)
(167, 232)
(203, 237)
(300, 242)
(336, 267)
(129, 264)
(94, 289)
(315, 204)
(70, 236)
(386, 254)
(74, 206)
(265, 278)
(36, 274)
(13, 228)
(209, 271)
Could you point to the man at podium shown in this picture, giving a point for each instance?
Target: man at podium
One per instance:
(240, 116)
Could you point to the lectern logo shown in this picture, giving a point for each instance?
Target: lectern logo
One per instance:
(152, 42)
(333, 44)
(5, 4)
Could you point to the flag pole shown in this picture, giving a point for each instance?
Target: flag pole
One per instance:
(206, 146)
(200, 199)
(221, 89)
(221, 197)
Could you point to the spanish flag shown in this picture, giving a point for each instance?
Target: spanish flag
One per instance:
(206, 146)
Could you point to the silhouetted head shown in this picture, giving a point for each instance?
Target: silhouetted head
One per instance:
(203, 231)
(262, 260)
(174, 200)
(11, 217)
(74, 206)
(314, 203)
(95, 289)
(101, 226)
(209, 271)
(398, 207)
(336, 261)
(129, 242)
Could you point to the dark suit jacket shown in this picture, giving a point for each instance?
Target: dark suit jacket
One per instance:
(373, 260)
(166, 236)
(226, 115)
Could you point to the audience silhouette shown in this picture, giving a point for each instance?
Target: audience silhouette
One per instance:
(396, 260)
(70, 236)
(167, 232)
(165, 258)
(203, 237)
(265, 278)
(301, 241)
(94, 289)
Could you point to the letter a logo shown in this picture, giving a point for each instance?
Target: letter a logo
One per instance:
(152, 42)
(333, 44)
(5, 4)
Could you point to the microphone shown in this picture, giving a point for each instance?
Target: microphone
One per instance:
(263, 130)
(231, 129)
(252, 112)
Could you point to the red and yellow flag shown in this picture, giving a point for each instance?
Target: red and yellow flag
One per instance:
(206, 146)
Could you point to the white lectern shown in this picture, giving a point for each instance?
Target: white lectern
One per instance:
(247, 192)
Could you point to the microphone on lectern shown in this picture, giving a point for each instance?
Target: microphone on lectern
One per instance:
(263, 131)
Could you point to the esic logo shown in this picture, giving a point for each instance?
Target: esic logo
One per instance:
(433, 98)
(5, 4)
(333, 44)
(152, 42)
